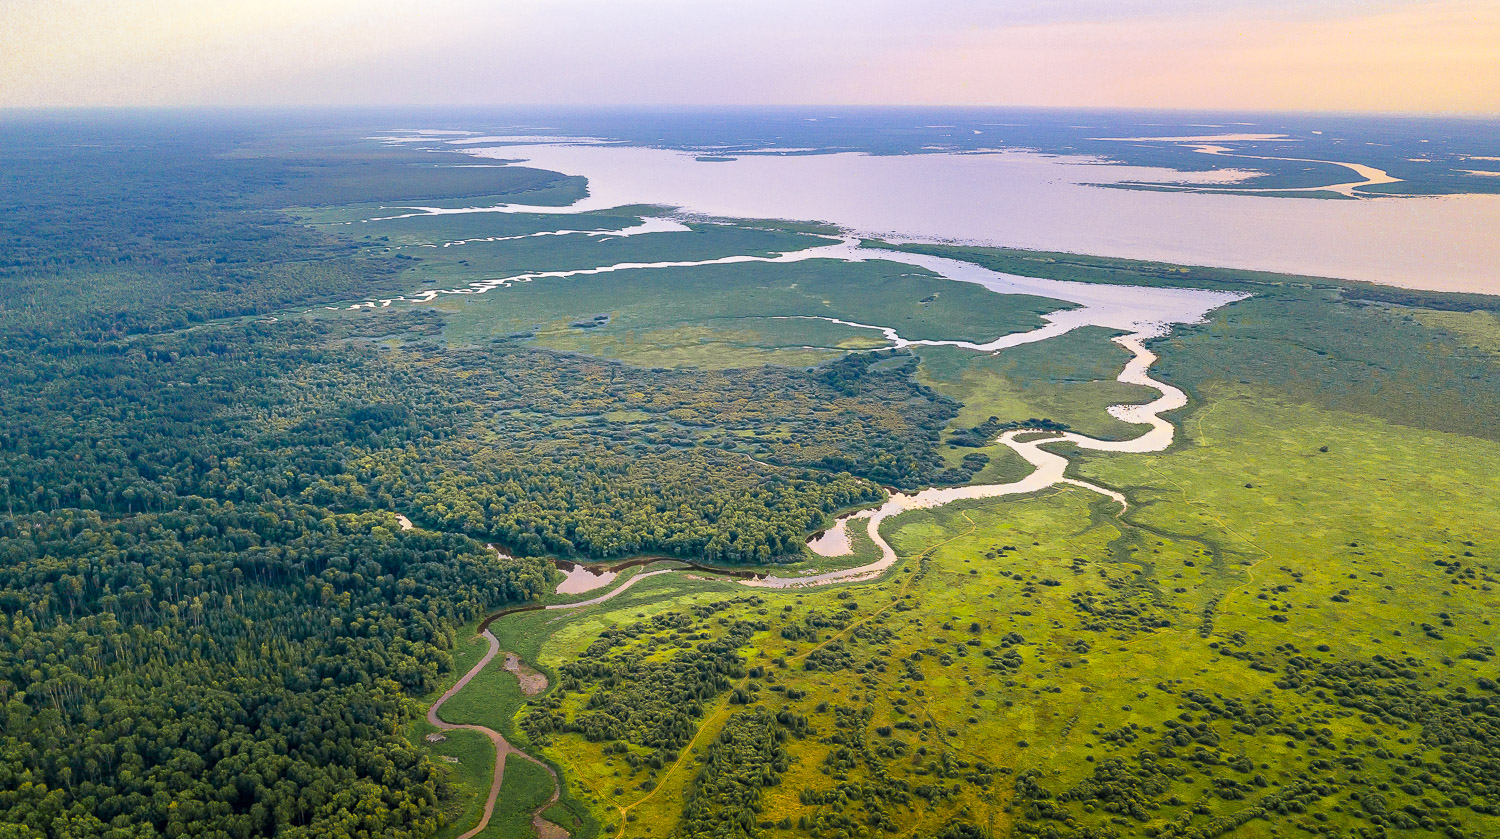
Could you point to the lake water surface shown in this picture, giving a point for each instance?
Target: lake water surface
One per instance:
(1028, 200)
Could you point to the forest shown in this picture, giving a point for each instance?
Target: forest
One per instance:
(213, 623)
(193, 645)
(488, 441)
(229, 669)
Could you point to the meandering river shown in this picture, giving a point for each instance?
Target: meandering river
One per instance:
(1148, 312)
(1049, 469)
(1145, 312)
(1142, 312)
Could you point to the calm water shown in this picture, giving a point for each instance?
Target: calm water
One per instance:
(1030, 200)
(578, 578)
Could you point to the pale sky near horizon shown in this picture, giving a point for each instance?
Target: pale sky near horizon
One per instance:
(1429, 56)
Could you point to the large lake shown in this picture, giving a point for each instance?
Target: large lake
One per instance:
(1029, 200)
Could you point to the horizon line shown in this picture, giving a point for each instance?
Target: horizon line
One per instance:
(658, 106)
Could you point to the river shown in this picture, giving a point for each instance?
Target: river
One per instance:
(1142, 312)
(1049, 469)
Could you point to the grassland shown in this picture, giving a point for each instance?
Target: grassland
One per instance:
(714, 316)
(1096, 640)
(526, 788)
(644, 303)
(467, 758)
(480, 260)
(1476, 329)
(386, 225)
(1069, 380)
(716, 344)
(1423, 359)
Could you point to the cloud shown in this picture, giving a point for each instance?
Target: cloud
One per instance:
(1427, 57)
(159, 52)
(1314, 54)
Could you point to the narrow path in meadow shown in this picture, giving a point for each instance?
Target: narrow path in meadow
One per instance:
(503, 748)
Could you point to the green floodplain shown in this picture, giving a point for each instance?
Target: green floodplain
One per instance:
(214, 624)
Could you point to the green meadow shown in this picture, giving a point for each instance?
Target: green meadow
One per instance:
(526, 789)
(466, 758)
(1048, 640)
(480, 260)
(729, 306)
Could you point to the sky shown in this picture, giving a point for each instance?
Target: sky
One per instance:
(1441, 56)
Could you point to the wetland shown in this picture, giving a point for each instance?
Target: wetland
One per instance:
(715, 521)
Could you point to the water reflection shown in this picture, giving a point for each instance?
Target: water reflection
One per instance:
(579, 578)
